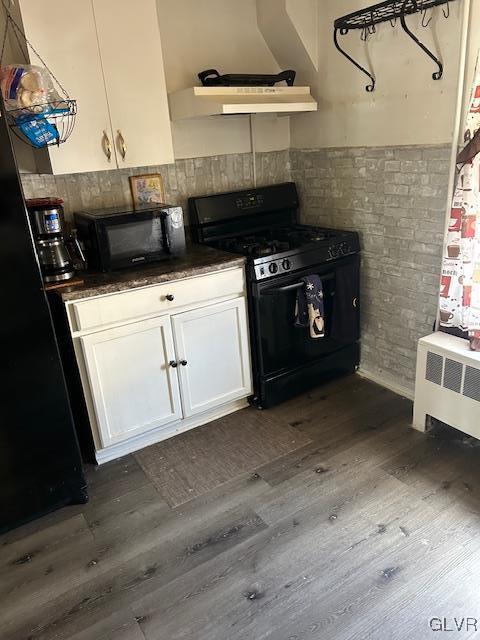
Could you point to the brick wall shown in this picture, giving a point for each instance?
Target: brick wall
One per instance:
(184, 178)
(396, 199)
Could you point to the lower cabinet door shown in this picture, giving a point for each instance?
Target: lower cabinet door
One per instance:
(213, 355)
(133, 386)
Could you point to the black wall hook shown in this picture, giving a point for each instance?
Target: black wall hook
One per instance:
(393, 20)
(425, 23)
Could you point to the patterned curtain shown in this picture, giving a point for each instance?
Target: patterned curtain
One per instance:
(460, 285)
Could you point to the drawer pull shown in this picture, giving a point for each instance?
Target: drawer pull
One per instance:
(170, 297)
(183, 363)
(173, 364)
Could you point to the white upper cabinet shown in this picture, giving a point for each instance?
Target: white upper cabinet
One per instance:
(67, 41)
(107, 54)
(132, 60)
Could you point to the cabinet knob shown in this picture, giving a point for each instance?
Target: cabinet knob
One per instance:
(170, 297)
(183, 363)
(173, 364)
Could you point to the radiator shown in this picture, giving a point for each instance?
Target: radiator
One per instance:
(447, 385)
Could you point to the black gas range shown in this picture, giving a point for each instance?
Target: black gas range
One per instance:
(262, 224)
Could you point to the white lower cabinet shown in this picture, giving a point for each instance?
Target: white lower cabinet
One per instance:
(133, 387)
(149, 379)
(213, 353)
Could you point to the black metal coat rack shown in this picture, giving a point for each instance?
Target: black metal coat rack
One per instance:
(365, 20)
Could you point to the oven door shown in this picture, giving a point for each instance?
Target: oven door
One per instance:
(132, 239)
(279, 345)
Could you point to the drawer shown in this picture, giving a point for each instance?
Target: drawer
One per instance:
(156, 299)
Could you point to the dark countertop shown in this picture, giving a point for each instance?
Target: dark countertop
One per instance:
(198, 260)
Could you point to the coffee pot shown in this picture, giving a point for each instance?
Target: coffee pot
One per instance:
(56, 252)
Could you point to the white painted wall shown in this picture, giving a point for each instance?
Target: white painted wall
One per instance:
(221, 34)
(282, 24)
(304, 17)
(408, 107)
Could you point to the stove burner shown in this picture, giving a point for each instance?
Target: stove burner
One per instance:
(276, 240)
(303, 236)
(271, 247)
(254, 246)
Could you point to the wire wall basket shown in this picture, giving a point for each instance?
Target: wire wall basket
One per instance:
(38, 109)
(50, 127)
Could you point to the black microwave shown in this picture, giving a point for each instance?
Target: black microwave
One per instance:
(119, 238)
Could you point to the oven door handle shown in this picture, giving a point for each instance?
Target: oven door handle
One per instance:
(295, 286)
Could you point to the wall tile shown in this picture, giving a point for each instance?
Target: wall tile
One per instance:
(394, 197)
(398, 208)
(184, 178)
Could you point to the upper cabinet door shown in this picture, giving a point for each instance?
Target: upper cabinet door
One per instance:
(134, 388)
(213, 354)
(131, 53)
(65, 36)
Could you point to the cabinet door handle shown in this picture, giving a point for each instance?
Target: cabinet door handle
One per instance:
(183, 363)
(173, 364)
(123, 146)
(170, 297)
(107, 147)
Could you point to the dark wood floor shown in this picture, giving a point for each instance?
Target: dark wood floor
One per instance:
(362, 529)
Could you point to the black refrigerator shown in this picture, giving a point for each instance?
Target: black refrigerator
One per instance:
(40, 464)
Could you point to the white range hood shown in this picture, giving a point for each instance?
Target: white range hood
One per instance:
(211, 101)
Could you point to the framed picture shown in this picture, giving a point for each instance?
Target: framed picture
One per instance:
(147, 189)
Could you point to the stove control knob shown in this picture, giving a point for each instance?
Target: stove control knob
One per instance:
(333, 251)
(286, 264)
(344, 248)
(273, 268)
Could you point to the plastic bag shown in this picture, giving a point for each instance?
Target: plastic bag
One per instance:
(28, 89)
(39, 131)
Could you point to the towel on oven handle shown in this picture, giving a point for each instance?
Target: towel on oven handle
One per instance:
(309, 310)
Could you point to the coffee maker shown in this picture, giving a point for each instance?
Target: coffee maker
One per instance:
(48, 228)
